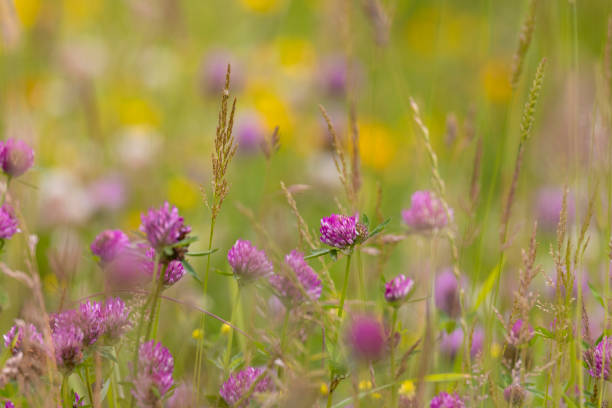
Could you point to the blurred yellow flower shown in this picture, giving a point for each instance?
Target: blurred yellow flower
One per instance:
(197, 334)
(225, 328)
(183, 193)
(495, 78)
(261, 6)
(27, 11)
(297, 56)
(50, 283)
(272, 107)
(376, 147)
(133, 111)
(323, 389)
(80, 11)
(495, 350)
(132, 220)
(365, 385)
(407, 389)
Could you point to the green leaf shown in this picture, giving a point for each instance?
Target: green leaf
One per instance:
(486, 287)
(191, 271)
(203, 253)
(596, 295)
(379, 228)
(185, 241)
(542, 332)
(318, 252)
(365, 220)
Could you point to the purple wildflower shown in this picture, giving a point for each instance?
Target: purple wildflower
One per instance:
(164, 226)
(366, 337)
(446, 293)
(426, 212)
(91, 321)
(13, 340)
(131, 267)
(445, 400)
(248, 262)
(515, 395)
(598, 359)
(477, 341)
(153, 378)
(16, 157)
(516, 335)
(115, 318)
(109, 244)
(68, 343)
(334, 75)
(174, 272)
(9, 404)
(250, 132)
(341, 231)
(182, 397)
(398, 289)
(9, 225)
(304, 274)
(239, 383)
(451, 343)
(549, 205)
(107, 193)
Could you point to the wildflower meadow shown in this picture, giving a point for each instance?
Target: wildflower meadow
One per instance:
(305, 203)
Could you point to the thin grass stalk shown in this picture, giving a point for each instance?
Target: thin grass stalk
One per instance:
(230, 335)
(345, 284)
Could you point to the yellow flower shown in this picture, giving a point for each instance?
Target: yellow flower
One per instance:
(407, 389)
(365, 385)
(261, 6)
(495, 350)
(376, 395)
(273, 108)
(495, 78)
(376, 147)
(225, 328)
(27, 11)
(297, 56)
(79, 11)
(197, 334)
(135, 111)
(132, 220)
(323, 389)
(183, 193)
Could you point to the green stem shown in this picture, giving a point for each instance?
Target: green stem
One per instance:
(5, 192)
(155, 305)
(230, 335)
(392, 356)
(66, 403)
(200, 351)
(89, 390)
(284, 330)
(345, 285)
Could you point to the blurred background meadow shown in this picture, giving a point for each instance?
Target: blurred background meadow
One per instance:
(120, 100)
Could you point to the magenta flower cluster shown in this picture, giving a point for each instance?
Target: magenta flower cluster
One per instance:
(164, 227)
(9, 225)
(303, 275)
(446, 293)
(446, 400)
(426, 212)
(235, 387)
(367, 338)
(75, 330)
(247, 262)
(398, 289)
(109, 244)
(153, 377)
(16, 157)
(598, 359)
(516, 332)
(341, 231)
(13, 339)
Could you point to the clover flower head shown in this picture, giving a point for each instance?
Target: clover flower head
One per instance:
(426, 212)
(247, 262)
(16, 157)
(109, 244)
(398, 289)
(366, 338)
(445, 400)
(341, 231)
(164, 226)
(14, 338)
(305, 276)
(239, 383)
(153, 377)
(9, 225)
(598, 359)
